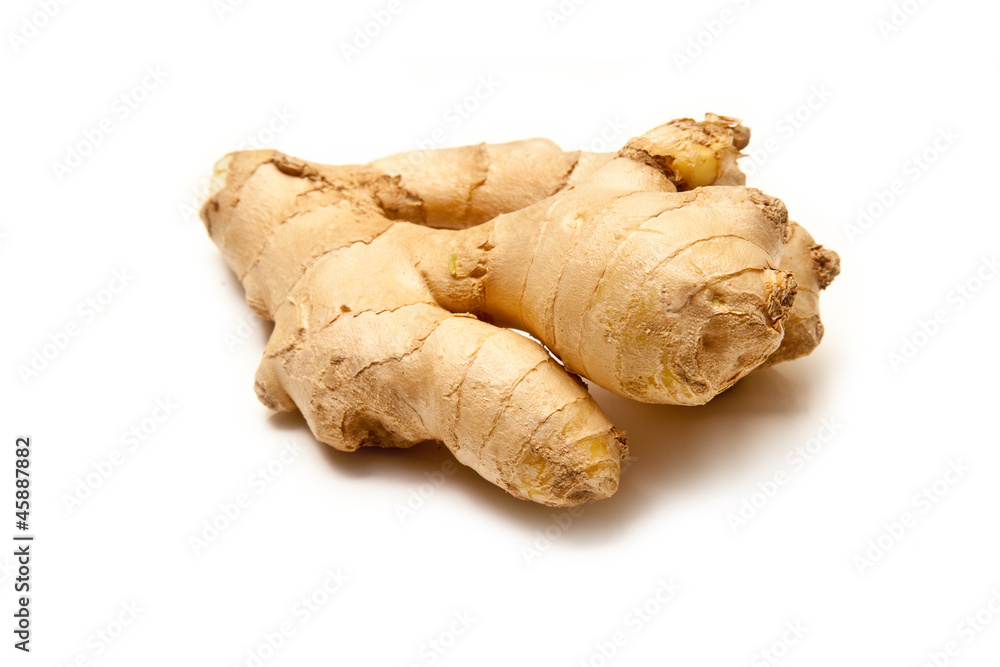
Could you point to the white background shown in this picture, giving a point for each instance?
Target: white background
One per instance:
(179, 332)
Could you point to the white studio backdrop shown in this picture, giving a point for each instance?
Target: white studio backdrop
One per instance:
(840, 509)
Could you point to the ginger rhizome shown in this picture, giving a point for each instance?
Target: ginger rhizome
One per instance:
(395, 287)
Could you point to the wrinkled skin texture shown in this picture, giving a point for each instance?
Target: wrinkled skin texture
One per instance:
(394, 288)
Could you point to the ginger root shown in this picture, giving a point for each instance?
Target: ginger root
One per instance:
(394, 288)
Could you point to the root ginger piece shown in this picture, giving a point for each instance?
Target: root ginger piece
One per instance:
(687, 153)
(462, 187)
(814, 268)
(363, 348)
(393, 287)
(694, 154)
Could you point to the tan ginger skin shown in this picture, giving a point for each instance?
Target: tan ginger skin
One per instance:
(652, 272)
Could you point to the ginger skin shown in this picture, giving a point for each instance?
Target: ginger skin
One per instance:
(394, 286)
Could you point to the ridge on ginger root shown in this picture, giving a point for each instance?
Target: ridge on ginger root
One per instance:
(394, 287)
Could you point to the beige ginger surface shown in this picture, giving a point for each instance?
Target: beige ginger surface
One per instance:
(394, 287)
